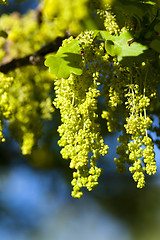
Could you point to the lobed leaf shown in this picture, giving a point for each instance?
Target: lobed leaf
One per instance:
(119, 46)
(67, 60)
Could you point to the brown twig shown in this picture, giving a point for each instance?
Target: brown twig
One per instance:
(36, 58)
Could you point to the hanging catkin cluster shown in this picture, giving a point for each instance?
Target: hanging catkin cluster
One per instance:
(30, 103)
(76, 97)
(127, 93)
(5, 108)
(137, 148)
(117, 64)
(109, 19)
(141, 145)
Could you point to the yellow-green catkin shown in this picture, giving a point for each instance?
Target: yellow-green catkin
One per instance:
(30, 103)
(5, 108)
(4, 2)
(113, 88)
(109, 19)
(79, 131)
(140, 148)
(76, 97)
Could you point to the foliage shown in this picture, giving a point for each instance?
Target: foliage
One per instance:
(111, 52)
(66, 61)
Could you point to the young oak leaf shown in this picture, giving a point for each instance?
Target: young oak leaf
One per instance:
(117, 45)
(66, 60)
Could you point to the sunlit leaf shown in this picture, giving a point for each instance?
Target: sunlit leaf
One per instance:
(120, 46)
(67, 60)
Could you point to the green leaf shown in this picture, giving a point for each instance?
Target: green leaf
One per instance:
(118, 46)
(61, 65)
(149, 2)
(122, 49)
(72, 47)
(157, 27)
(102, 35)
(67, 60)
(155, 45)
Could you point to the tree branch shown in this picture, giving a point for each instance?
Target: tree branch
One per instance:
(36, 58)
